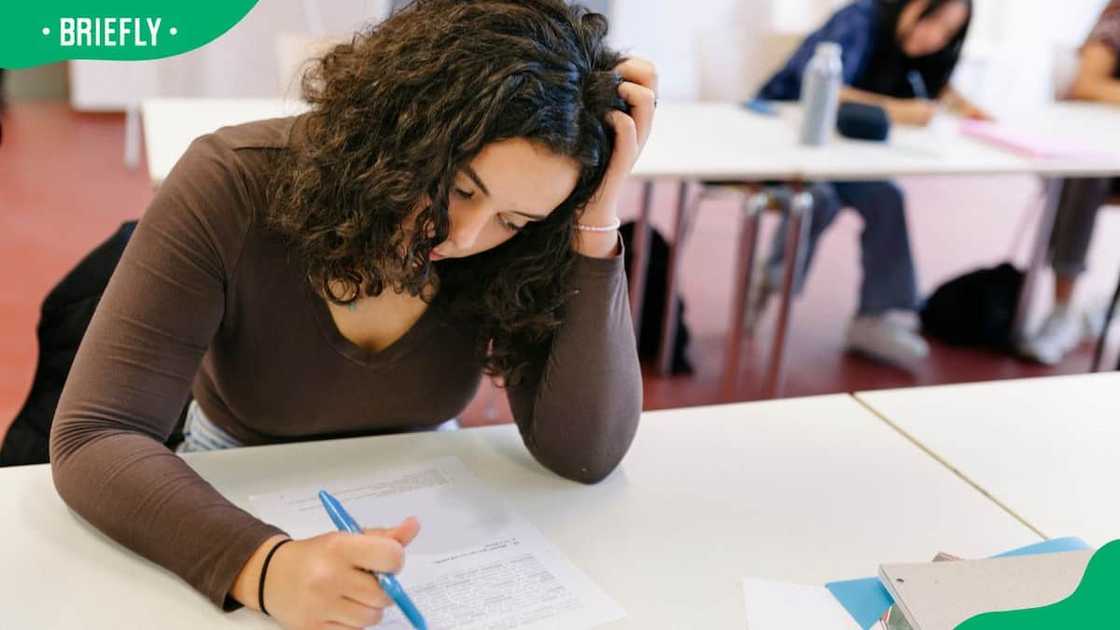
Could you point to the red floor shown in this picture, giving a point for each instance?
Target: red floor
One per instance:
(64, 188)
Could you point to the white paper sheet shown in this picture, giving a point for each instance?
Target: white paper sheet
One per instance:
(781, 606)
(476, 564)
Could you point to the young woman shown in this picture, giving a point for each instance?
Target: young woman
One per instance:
(446, 209)
(1098, 79)
(900, 55)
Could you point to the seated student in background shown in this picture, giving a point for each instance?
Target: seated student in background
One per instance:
(447, 208)
(899, 55)
(1098, 79)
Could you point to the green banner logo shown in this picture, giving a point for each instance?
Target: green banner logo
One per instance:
(36, 33)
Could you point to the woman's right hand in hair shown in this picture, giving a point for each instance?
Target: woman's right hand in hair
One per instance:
(639, 89)
(324, 582)
(915, 111)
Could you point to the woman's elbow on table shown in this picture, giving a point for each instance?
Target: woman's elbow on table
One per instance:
(79, 466)
(588, 470)
(592, 457)
(65, 440)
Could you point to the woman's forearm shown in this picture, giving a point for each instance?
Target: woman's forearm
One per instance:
(852, 95)
(1096, 75)
(579, 409)
(1102, 90)
(959, 104)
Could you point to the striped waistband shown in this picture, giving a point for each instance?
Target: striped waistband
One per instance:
(200, 434)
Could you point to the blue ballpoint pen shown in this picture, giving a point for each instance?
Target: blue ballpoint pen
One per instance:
(345, 523)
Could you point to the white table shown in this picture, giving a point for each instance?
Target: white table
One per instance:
(724, 141)
(1048, 449)
(712, 141)
(804, 490)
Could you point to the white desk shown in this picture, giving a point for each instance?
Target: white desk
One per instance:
(1049, 449)
(713, 141)
(805, 490)
(724, 141)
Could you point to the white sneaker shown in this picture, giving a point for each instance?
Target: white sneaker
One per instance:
(1093, 321)
(906, 320)
(884, 338)
(1094, 317)
(1062, 331)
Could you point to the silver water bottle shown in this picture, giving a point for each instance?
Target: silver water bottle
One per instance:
(820, 94)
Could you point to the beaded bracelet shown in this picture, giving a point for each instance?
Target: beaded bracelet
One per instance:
(600, 228)
(264, 572)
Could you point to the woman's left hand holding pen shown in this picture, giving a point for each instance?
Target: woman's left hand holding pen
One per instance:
(323, 582)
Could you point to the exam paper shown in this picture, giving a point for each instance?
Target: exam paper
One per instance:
(779, 606)
(475, 565)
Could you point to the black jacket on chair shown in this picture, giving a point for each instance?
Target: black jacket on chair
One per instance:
(66, 313)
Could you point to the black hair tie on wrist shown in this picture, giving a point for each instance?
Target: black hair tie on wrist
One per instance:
(264, 572)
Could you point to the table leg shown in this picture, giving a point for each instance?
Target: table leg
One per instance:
(132, 135)
(639, 262)
(1053, 189)
(801, 215)
(753, 206)
(676, 252)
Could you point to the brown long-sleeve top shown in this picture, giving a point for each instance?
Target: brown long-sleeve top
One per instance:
(1107, 28)
(207, 300)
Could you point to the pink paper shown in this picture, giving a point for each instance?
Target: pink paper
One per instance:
(1025, 144)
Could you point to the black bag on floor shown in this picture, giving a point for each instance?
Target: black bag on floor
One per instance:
(976, 309)
(66, 313)
(653, 306)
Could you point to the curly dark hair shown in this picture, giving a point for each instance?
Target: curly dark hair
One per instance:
(397, 111)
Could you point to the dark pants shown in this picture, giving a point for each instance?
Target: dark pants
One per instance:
(889, 279)
(1078, 205)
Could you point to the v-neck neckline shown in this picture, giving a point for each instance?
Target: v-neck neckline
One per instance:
(365, 356)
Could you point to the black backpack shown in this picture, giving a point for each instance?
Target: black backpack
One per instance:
(976, 309)
(653, 306)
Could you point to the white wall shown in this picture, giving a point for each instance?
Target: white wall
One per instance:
(1015, 46)
(241, 63)
(712, 49)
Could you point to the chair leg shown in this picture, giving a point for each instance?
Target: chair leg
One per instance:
(749, 219)
(1098, 355)
(676, 252)
(132, 137)
(801, 214)
(1053, 189)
